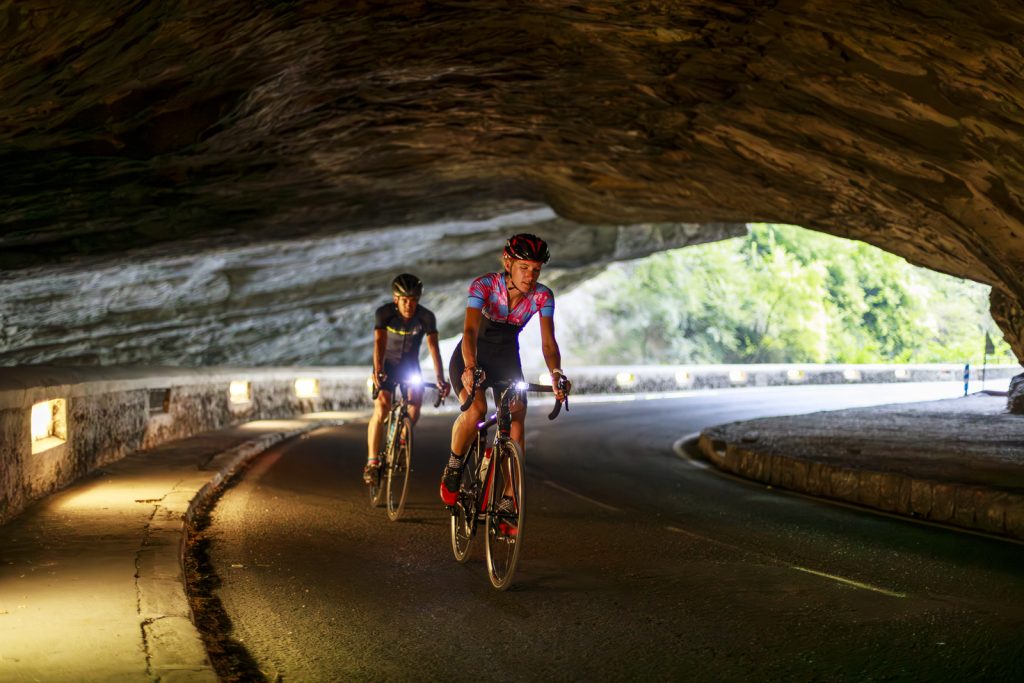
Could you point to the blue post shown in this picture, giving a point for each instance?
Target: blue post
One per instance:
(967, 376)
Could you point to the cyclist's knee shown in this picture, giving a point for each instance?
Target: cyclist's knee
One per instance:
(476, 411)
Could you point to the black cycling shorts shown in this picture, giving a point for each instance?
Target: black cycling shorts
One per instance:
(500, 363)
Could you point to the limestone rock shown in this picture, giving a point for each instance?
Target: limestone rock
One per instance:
(137, 135)
(1015, 399)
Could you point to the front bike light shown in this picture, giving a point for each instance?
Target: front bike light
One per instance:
(522, 386)
(414, 380)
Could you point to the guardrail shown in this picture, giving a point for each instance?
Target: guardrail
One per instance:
(628, 379)
(59, 424)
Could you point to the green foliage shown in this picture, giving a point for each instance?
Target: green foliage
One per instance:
(782, 294)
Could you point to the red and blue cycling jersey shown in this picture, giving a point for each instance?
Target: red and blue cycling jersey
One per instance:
(490, 295)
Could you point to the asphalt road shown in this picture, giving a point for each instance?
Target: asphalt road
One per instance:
(637, 565)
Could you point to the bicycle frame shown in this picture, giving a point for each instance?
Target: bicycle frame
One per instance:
(479, 490)
(400, 408)
(390, 484)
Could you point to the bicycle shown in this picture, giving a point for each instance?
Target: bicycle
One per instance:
(481, 486)
(391, 481)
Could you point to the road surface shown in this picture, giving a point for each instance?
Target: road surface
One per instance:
(637, 565)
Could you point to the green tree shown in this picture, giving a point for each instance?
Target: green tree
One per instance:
(780, 294)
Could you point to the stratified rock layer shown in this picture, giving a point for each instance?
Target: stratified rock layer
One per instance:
(132, 131)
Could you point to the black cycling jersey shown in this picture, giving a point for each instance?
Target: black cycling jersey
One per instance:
(404, 336)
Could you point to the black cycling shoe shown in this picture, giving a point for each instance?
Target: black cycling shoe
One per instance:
(370, 471)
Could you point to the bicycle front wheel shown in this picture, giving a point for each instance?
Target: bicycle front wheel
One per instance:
(378, 486)
(504, 527)
(399, 467)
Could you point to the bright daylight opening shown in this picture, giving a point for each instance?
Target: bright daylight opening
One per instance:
(779, 295)
(49, 424)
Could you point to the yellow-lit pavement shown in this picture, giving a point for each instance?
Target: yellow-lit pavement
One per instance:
(91, 585)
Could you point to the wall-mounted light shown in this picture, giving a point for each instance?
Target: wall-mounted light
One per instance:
(625, 379)
(159, 401)
(738, 376)
(544, 378)
(49, 424)
(851, 375)
(684, 378)
(901, 373)
(796, 375)
(240, 391)
(307, 387)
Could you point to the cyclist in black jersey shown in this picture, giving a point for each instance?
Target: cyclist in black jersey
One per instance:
(499, 306)
(399, 328)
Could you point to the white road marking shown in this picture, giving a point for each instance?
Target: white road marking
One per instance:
(850, 582)
(581, 496)
(707, 539)
(833, 577)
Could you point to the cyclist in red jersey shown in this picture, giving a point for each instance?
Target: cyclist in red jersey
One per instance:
(398, 330)
(499, 306)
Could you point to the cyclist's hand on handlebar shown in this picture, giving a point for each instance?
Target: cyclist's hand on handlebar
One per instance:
(443, 387)
(379, 379)
(468, 374)
(561, 386)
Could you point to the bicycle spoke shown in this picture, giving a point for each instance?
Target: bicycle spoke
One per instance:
(399, 468)
(504, 528)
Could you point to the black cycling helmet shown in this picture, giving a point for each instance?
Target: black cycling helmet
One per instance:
(527, 247)
(407, 284)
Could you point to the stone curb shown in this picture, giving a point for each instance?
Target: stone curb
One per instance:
(970, 507)
(174, 648)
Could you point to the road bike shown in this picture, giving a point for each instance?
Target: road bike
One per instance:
(390, 483)
(488, 472)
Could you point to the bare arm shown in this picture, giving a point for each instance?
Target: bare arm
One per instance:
(380, 342)
(435, 354)
(470, 330)
(552, 355)
(548, 344)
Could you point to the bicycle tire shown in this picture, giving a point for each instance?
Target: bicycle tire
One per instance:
(463, 525)
(503, 532)
(378, 486)
(399, 468)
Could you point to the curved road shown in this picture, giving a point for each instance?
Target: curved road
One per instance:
(637, 564)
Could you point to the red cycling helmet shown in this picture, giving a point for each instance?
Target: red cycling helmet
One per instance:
(527, 247)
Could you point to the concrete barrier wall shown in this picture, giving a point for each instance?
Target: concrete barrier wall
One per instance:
(109, 415)
(111, 412)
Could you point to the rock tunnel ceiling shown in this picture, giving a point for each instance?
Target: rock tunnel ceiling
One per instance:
(189, 171)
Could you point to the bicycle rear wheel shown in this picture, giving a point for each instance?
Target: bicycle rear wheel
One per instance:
(464, 512)
(399, 467)
(504, 530)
